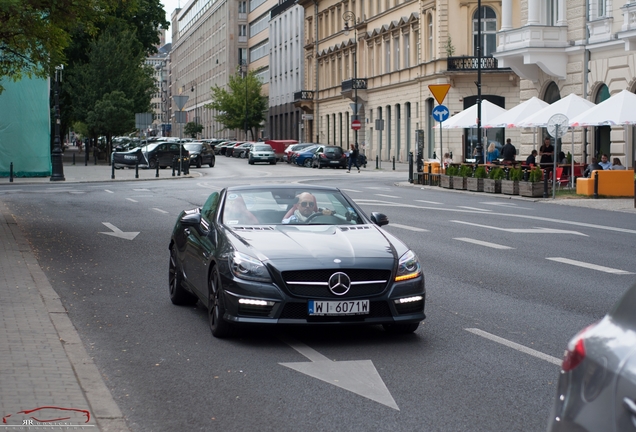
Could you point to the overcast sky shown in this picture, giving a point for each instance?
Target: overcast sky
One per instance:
(169, 6)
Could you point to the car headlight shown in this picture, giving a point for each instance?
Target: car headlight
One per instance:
(408, 267)
(246, 267)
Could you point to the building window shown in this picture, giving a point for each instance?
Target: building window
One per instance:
(430, 37)
(242, 30)
(387, 56)
(242, 7)
(242, 56)
(259, 24)
(259, 51)
(407, 50)
(488, 31)
(255, 3)
(396, 53)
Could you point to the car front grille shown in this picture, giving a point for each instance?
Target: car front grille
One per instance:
(314, 283)
(377, 309)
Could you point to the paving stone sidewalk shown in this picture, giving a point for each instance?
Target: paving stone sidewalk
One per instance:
(43, 362)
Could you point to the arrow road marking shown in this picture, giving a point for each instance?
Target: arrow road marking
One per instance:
(513, 345)
(482, 243)
(588, 265)
(524, 230)
(359, 376)
(119, 233)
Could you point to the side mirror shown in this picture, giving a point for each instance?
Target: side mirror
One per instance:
(379, 219)
(191, 220)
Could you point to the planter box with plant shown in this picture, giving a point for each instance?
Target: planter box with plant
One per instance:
(511, 186)
(534, 186)
(493, 183)
(446, 180)
(476, 182)
(459, 182)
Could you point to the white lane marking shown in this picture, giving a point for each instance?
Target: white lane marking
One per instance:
(119, 233)
(504, 204)
(536, 230)
(159, 210)
(516, 346)
(130, 199)
(379, 188)
(76, 192)
(482, 243)
(589, 265)
(109, 191)
(387, 196)
(351, 190)
(475, 208)
(141, 190)
(410, 228)
(357, 376)
(428, 202)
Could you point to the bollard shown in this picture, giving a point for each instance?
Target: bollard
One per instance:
(410, 167)
(157, 173)
(393, 163)
(595, 184)
(112, 171)
(137, 169)
(545, 184)
(451, 155)
(174, 166)
(377, 159)
(73, 158)
(430, 177)
(11, 172)
(85, 157)
(434, 155)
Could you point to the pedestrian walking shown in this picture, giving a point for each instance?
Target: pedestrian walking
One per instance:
(353, 158)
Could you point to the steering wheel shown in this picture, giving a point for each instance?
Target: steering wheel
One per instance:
(315, 215)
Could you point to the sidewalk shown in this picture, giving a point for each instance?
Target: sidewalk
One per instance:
(43, 362)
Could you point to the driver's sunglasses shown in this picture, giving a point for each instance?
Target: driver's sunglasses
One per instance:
(306, 204)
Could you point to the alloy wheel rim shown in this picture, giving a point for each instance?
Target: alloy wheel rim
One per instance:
(173, 274)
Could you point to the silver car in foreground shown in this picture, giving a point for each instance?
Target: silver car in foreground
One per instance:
(597, 385)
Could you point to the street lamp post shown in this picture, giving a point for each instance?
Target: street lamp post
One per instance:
(244, 71)
(350, 16)
(57, 167)
(479, 157)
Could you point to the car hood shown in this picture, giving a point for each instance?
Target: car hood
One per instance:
(318, 243)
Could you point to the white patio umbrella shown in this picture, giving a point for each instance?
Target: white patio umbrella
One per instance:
(570, 106)
(512, 117)
(468, 117)
(620, 109)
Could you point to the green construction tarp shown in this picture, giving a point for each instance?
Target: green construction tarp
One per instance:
(25, 128)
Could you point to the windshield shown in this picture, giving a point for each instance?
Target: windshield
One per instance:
(193, 147)
(289, 206)
(262, 148)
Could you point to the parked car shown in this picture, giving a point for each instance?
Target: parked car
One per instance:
(287, 155)
(242, 150)
(162, 153)
(200, 153)
(303, 156)
(329, 156)
(597, 384)
(260, 271)
(261, 153)
(229, 150)
(223, 148)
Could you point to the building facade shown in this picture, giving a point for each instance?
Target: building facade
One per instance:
(159, 102)
(286, 68)
(588, 48)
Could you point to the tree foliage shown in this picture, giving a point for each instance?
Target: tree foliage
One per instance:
(112, 115)
(35, 33)
(243, 101)
(192, 129)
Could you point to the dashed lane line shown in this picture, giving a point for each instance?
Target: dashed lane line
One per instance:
(109, 191)
(429, 202)
(589, 265)
(483, 243)
(515, 346)
(130, 199)
(407, 227)
(387, 196)
(159, 210)
(475, 208)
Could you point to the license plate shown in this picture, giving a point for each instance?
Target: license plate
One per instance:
(334, 162)
(351, 307)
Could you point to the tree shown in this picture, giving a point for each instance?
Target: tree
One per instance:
(112, 115)
(34, 33)
(231, 104)
(192, 129)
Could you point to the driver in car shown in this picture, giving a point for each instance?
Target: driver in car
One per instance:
(305, 208)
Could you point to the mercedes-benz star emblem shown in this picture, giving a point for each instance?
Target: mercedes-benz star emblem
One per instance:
(339, 283)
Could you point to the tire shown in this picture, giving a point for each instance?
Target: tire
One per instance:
(307, 163)
(272, 163)
(250, 161)
(178, 295)
(198, 162)
(152, 163)
(212, 161)
(404, 328)
(219, 327)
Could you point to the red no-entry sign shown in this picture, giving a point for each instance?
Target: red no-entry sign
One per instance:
(356, 125)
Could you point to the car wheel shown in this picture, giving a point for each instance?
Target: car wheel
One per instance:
(273, 162)
(198, 162)
(178, 295)
(219, 327)
(152, 163)
(250, 161)
(404, 328)
(307, 163)
(212, 161)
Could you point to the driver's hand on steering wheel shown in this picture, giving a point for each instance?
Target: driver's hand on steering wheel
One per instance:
(328, 212)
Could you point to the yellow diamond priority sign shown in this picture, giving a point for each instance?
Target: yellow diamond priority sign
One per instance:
(439, 91)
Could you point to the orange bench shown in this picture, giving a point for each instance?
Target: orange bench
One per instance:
(610, 183)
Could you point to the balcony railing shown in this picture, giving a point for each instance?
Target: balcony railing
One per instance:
(357, 84)
(304, 95)
(470, 63)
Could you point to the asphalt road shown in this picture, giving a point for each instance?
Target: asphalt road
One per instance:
(508, 283)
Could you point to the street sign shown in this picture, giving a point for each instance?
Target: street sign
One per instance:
(180, 101)
(307, 116)
(439, 91)
(440, 113)
(356, 125)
